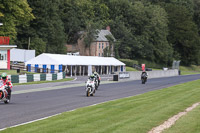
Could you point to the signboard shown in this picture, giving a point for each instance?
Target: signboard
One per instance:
(124, 75)
(4, 40)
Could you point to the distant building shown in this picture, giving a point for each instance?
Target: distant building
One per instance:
(5, 52)
(96, 48)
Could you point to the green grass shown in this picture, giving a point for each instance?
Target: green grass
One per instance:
(190, 70)
(40, 82)
(14, 72)
(189, 123)
(130, 69)
(137, 114)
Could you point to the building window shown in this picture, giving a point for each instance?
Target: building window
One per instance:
(3, 55)
(99, 45)
(99, 54)
(106, 44)
(102, 45)
(102, 54)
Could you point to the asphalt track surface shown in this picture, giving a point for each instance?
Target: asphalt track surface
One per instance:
(31, 106)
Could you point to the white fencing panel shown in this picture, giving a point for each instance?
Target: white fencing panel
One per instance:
(3, 64)
(22, 79)
(49, 77)
(22, 55)
(36, 77)
(59, 76)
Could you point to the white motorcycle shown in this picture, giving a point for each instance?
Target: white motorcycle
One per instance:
(90, 88)
(4, 93)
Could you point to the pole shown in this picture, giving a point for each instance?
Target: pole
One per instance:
(29, 42)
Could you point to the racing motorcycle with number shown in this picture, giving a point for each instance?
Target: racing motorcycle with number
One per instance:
(4, 93)
(90, 88)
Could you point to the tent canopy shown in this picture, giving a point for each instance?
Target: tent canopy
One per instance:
(58, 59)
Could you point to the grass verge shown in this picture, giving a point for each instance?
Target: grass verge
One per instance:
(40, 82)
(130, 69)
(137, 114)
(14, 72)
(190, 70)
(189, 123)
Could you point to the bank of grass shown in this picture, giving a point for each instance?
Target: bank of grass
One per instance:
(137, 114)
(40, 82)
(190, 70)
(14, 72)
(130, 69)
(189, 123)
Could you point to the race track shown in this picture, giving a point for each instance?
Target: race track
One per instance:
(30, 106)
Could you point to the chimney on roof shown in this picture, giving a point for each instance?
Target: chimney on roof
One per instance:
(108, 28)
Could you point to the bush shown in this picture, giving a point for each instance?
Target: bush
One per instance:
(129, 62)
(150, 64)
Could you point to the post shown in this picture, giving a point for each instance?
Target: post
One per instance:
(83, 70)
(8, 59)
(75, 71)
(80, 70)
(29, 42)
(101, 70)
(71, 70)
(106, 69)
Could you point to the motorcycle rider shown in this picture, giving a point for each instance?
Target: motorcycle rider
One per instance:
(144, 75)
(7, 82)
(92, 78)
(97, 77)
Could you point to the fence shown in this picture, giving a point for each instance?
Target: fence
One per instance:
(35, 77)
(41, 70)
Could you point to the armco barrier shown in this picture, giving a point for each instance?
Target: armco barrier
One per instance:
(14, 78)
(22, 79)
(136, 75)
(35, 77)
(42, 77)
(59, 76)
(49, 77)
(30, 78)
(54, 76)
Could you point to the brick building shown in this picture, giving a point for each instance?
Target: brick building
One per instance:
(96, 48)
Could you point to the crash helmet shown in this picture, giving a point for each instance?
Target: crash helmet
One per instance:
(4, 76)
(95, 73)
(92, 76)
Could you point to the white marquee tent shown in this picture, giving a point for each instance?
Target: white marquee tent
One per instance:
(76, 61)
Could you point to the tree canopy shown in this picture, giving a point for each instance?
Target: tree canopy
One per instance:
(159, 31)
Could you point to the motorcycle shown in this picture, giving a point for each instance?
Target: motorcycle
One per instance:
(97, 82)
(4, 93)
(90, 88)
(144, 77)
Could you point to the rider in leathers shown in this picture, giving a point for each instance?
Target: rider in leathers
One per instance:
(144, 75)
(7, 82)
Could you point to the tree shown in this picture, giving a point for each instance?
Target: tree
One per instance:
(47, 29)
(90, 35)
(76, 14)
(14, 13)
(183, 34)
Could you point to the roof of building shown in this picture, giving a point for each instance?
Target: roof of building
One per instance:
(58, 59)
(6, 47)
(101, 37)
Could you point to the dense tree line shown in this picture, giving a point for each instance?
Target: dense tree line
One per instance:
(159, 31)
